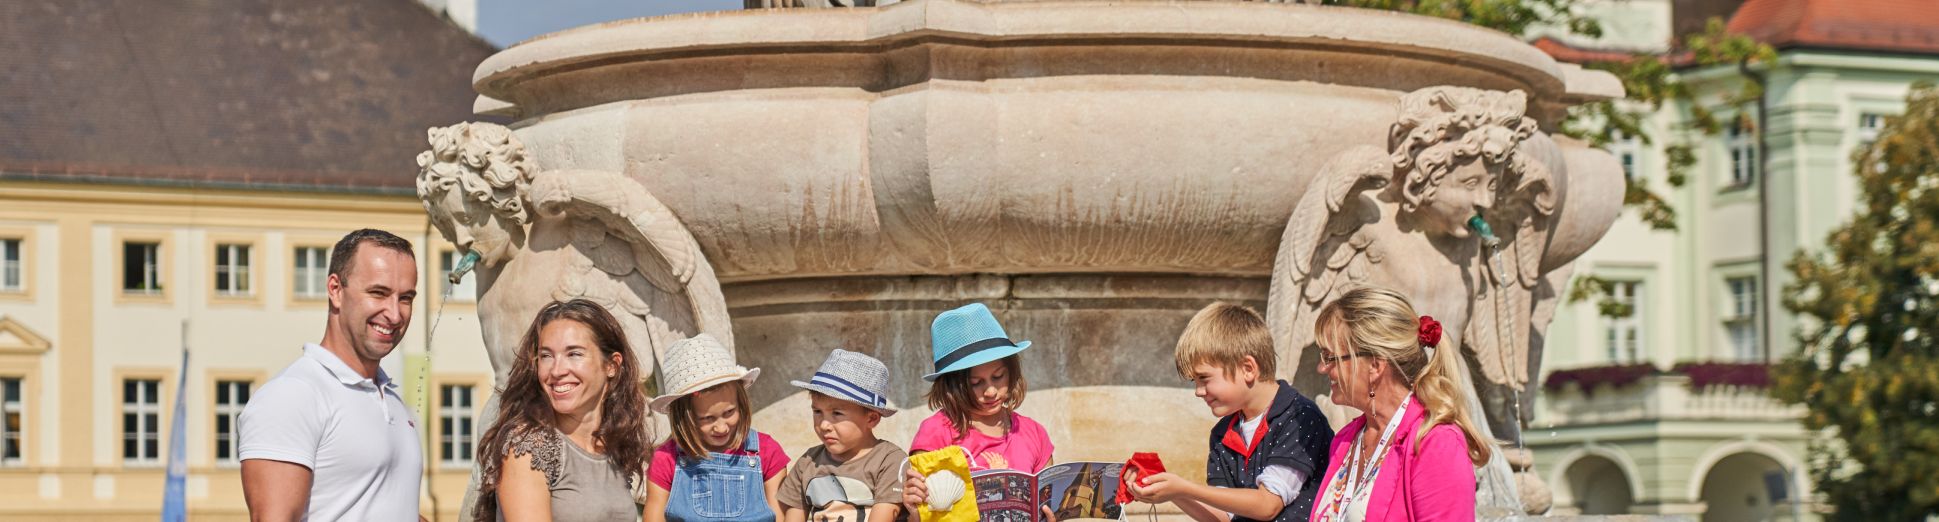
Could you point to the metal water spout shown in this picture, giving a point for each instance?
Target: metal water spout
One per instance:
(464, 267)
(1475, 222)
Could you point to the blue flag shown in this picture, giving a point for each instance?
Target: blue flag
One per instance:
(174, 493)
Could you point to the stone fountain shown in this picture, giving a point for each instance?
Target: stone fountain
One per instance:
(798, 180)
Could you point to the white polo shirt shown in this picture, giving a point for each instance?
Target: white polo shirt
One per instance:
(354, 434)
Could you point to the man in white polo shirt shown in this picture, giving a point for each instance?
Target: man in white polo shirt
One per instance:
(330, 438)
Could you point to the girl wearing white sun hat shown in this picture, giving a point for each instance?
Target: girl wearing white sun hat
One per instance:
(715, 468)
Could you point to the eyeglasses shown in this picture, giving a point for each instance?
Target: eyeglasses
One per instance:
(1334, 360)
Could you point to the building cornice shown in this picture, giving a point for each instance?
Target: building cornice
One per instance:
(70, 190)
(104, 179)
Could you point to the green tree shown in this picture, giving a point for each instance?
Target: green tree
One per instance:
(1869, 371)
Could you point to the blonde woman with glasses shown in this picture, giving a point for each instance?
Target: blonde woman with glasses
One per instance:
(1412, 455)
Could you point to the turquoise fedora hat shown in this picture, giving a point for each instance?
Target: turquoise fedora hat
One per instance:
(966, 337)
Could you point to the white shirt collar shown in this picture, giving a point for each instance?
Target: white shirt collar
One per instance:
(342, 371)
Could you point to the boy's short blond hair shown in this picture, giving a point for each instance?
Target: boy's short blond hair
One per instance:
(1223, 335)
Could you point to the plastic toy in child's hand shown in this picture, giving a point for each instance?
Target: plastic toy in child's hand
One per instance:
(952, 496)
(1142, 465)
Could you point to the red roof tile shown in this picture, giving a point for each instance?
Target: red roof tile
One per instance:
(1903, 26)
(1893, 26)
(1563, 52)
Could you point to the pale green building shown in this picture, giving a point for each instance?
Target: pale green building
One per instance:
(1693, 432)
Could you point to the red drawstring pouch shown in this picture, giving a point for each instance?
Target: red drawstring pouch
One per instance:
(1142, 464)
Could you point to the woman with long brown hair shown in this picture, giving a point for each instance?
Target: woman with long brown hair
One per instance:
(571, 439)
(1412, 455)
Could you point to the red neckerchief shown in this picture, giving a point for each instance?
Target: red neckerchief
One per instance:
(1237, 444)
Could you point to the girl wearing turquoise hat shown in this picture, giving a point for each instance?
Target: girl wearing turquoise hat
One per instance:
(978, 386)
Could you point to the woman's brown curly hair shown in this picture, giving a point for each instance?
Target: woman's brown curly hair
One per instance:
(522, 405)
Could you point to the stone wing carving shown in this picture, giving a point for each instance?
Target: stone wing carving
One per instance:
(539, 236)
(626, 235)
(1325, 249)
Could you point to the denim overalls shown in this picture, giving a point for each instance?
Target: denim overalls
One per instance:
(722, 488)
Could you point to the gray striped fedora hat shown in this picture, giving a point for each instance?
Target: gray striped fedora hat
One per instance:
(852, 377)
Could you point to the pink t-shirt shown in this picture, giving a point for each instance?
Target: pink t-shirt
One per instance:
(1027, 446)
(660, 472)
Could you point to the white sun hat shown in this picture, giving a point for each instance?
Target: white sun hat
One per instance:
(697, 363)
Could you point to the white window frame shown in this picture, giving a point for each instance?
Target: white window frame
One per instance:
(1623, 337)
(232, 270)
(311, 266)
(1628, 151)
(1740, 320)
(463, 292)
(12, 405)
(151, 267)
(1869, 125)
(1742, 147)
(12, 265)
(457, 424)
(238, 395)
(147, 409)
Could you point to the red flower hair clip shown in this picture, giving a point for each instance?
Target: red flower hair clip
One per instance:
(1430, 334)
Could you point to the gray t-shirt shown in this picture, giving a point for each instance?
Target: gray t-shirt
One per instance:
(817, 479)
(585, 487)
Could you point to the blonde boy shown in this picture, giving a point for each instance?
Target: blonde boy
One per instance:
(1270, 444)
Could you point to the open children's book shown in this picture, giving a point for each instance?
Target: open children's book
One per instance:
(1071, 491)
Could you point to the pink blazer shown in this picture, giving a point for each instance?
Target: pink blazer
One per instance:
(1434, 483)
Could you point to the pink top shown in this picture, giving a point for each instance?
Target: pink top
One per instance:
(660, 471)
(1026, 448)
(1434, 483)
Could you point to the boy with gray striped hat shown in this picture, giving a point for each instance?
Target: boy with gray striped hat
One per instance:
(852, 476)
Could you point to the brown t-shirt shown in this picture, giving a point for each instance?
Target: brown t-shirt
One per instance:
(875, 477)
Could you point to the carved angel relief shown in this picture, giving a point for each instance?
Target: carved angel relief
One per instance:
(1402, 218)
(556, 235)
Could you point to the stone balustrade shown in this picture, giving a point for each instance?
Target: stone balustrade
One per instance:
(1659, 397)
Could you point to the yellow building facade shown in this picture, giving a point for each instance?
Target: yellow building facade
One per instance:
(173, 174)
(113, 281)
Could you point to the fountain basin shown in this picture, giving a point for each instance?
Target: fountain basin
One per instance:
(1093, 171)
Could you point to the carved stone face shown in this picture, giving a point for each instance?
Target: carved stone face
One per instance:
(1468, 190)
(472, 225)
